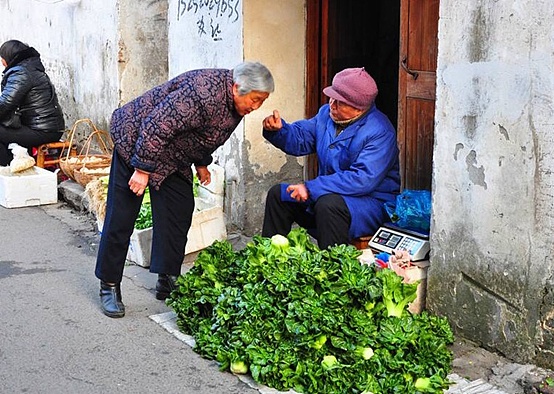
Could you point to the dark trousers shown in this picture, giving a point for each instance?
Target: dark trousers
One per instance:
(24, 137)
(328, 220)
(172, 209)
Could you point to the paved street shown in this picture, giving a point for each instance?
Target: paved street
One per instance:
(54, 337)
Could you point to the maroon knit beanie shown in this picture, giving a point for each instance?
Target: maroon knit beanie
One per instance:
(353, 86)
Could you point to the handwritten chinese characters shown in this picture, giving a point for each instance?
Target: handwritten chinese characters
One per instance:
(211, 15)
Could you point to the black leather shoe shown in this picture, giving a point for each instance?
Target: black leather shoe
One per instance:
(110, 299)
(165, 285)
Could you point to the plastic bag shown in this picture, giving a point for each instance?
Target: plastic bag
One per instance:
(21, 158)
(412, 210)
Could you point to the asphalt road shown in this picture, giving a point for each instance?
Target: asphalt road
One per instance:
(54, 337)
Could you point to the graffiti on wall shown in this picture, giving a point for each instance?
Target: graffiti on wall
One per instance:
(211, 16)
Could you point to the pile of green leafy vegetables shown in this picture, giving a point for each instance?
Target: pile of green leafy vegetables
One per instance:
(314, 321)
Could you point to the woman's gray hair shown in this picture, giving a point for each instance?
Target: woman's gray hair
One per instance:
(250, 76)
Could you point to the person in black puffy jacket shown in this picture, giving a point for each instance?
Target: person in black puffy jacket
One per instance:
(26, 88)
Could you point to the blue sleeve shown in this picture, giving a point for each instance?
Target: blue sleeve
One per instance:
(377, 158)
(17, 85)
(298, 138)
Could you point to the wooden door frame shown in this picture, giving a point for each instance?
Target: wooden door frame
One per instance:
(402, 80)
(422, 86)
(413, 83)
(317, 69)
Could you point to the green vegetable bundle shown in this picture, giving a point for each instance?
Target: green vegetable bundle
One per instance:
(311, 320)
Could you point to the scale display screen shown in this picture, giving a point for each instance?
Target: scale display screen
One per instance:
(388, 240)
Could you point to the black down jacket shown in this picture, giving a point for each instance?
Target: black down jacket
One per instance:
(26, 86)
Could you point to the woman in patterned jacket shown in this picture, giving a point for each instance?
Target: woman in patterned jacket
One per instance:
(158, 137)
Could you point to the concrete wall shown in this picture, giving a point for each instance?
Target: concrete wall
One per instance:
(98, 54)
(103, 54)
(78, 43)
(143, 46)
(491, 267)
(274, 33)
(204, 34)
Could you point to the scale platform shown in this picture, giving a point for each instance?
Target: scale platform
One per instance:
(389, 238)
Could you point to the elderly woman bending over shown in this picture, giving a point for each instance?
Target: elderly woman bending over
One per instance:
(157, 137)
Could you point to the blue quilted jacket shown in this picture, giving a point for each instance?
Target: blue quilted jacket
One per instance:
(361, 163)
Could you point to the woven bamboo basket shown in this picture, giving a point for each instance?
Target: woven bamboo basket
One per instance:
(86, 158)
(85, 175)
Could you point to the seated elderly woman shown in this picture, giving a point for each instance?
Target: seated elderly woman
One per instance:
(26, 90)
(358, 165)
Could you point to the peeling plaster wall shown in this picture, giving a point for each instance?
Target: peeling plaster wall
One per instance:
(203, 36)
(492, 230)
(143, 47)
(78, 43)
(98, 54)
(103, 54)
(275, 34)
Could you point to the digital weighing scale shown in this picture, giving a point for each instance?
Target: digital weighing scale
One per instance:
(389, 238)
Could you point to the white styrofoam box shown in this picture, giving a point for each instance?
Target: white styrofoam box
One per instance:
(140, 246)
(32, 187)
(208, 225)
(215, 190)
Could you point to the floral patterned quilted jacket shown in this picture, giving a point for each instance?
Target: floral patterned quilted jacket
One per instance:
(176, 124)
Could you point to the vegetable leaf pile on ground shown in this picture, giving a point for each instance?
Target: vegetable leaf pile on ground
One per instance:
(315, 321)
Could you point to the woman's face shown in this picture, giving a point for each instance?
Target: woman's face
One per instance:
(4, 63)
(248, 102)
(341, 111)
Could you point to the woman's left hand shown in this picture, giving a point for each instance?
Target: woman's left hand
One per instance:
(299, 192)
(203, 174)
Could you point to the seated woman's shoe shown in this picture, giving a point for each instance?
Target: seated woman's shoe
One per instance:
(110, 299)
(165, 285)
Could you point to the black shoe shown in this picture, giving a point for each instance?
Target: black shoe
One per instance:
(110, 298)
(165, 285)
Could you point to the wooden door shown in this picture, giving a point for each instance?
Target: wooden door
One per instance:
(416, 91)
